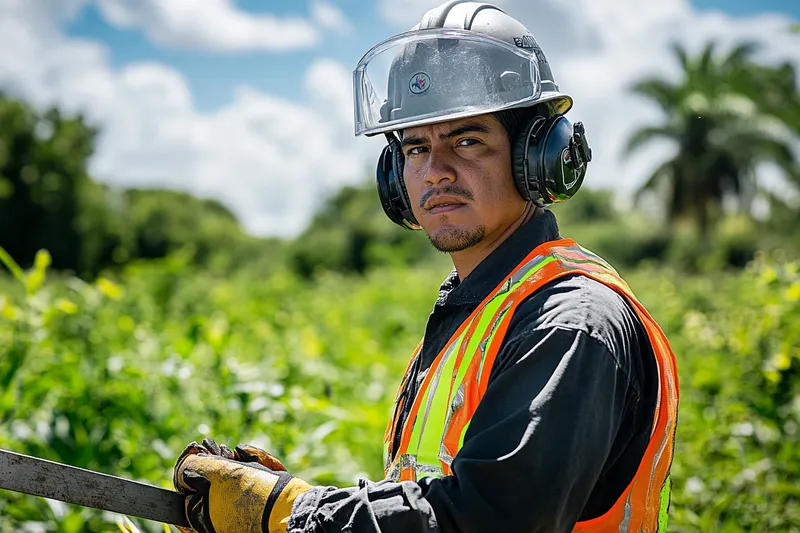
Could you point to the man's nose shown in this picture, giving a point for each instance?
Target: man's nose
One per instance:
(440, 167)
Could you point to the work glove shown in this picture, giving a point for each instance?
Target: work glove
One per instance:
(244, 490)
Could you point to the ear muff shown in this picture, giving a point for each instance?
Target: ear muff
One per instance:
(391, 188)
(549, 159)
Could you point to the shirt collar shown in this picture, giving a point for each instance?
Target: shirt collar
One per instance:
(492, 270)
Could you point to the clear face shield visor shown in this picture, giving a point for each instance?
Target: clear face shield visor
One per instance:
(436, 75)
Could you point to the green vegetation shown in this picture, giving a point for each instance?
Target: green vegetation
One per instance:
(118, 376)
(134, 321)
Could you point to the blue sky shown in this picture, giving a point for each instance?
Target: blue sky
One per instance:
(250, 101)
(212, 77)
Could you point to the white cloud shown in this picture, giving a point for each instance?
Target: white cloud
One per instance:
(328, 16)
(598, 49)
(406, 12)
(212, 25)
(270, 160)
(329, 83)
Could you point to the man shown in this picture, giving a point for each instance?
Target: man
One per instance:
(543, 396)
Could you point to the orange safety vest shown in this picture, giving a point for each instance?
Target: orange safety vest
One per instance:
(457, 379)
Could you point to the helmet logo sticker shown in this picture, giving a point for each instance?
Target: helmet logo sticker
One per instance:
(419, 83)
(526, 41)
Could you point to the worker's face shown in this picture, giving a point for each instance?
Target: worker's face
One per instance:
(459, 180)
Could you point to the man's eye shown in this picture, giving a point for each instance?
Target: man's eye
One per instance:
(415, 150)
(467, 142)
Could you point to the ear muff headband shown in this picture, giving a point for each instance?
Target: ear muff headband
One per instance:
(549, 157)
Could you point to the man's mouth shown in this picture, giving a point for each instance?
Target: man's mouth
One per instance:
(443, 204)
(444, 208)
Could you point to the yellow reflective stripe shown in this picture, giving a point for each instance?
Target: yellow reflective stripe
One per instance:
(663, 511)
(528, 270)
(429, 428)
(418, 425)
(490, 320)
(432, 424)
(446, 385)
(447, 395)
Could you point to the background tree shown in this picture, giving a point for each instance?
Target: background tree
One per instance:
(721, 116)
(43, 177)
(350, 233)
(49, 201)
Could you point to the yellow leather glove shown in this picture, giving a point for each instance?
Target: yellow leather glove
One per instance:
(233, 491)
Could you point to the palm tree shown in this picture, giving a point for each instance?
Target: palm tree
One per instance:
(726, 116)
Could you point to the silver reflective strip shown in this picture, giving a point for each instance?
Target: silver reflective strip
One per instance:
(408, 460)
(626, 518)
(664, 441)
(423, 469)
(483, 344)
(522, 272)
(394, 473)
(458, 402)
(455, 405)
(504, 288)
(482, 348)
(445, 457)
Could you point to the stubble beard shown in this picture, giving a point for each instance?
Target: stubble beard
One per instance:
(457, 239)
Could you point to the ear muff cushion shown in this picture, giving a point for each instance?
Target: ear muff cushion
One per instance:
(391, 188)
(521, 165)
(384, 178)
(398, 162)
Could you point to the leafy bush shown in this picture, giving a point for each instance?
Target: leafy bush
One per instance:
(737, 339)
(119, 375)
(351, 234)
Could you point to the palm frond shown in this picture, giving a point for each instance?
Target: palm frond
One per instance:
(664, 93)
(647, 134)
(680, 52)
(740, 55)
(706, 62)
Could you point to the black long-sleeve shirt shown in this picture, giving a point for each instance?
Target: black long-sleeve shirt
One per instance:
(559, 433)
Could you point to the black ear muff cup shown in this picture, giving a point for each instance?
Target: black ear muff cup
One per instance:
(549, 159)
(525, 167)
(564, 159)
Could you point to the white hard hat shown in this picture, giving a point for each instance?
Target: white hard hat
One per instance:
(463, 59)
